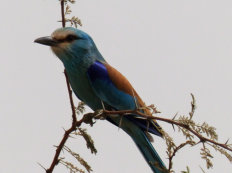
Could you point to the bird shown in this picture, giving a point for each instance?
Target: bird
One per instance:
(101, 86)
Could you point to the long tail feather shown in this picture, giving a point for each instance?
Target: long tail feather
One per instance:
(149, 152)
(143, 144)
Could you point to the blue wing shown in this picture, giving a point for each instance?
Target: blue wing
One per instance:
(106, 89)
(115, 90)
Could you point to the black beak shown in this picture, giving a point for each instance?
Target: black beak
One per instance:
(48, 41)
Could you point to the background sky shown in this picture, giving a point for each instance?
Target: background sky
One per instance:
(167, 49)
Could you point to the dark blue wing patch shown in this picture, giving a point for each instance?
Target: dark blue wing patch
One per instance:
(98, 71)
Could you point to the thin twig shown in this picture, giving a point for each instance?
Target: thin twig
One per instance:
(175, 151)
(62, 143)
(74, 117)
(62, 13)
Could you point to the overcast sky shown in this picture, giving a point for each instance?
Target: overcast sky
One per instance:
(166, 48)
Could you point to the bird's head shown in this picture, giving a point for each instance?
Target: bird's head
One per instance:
(68, 43)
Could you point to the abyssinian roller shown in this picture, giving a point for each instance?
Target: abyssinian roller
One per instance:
(97, 83)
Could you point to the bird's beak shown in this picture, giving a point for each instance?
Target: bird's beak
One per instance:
(48, 41)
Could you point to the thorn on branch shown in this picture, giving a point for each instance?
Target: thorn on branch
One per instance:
(227, 141)
(175, 116)
(173, 120)
(41, 166)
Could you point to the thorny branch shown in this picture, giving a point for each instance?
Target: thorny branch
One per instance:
(73, 128)
(101, 114)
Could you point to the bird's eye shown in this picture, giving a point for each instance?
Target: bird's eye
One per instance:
(70, 38)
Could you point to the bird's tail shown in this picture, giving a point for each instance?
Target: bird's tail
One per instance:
(144, 145)
(148, 151)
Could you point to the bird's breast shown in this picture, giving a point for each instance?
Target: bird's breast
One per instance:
(83, 89)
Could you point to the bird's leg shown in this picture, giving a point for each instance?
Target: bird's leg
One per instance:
(120, 122)
(135, 100)
(151, 139)
(103, 106)
(99, 114)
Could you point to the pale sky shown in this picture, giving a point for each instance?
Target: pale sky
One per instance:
(166, 48)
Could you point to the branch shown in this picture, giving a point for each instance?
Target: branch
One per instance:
(74, 117)
(62, 13)
(201, 138)
(67, 133)
(175, 151)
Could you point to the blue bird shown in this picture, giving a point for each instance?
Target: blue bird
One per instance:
(96, 83)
